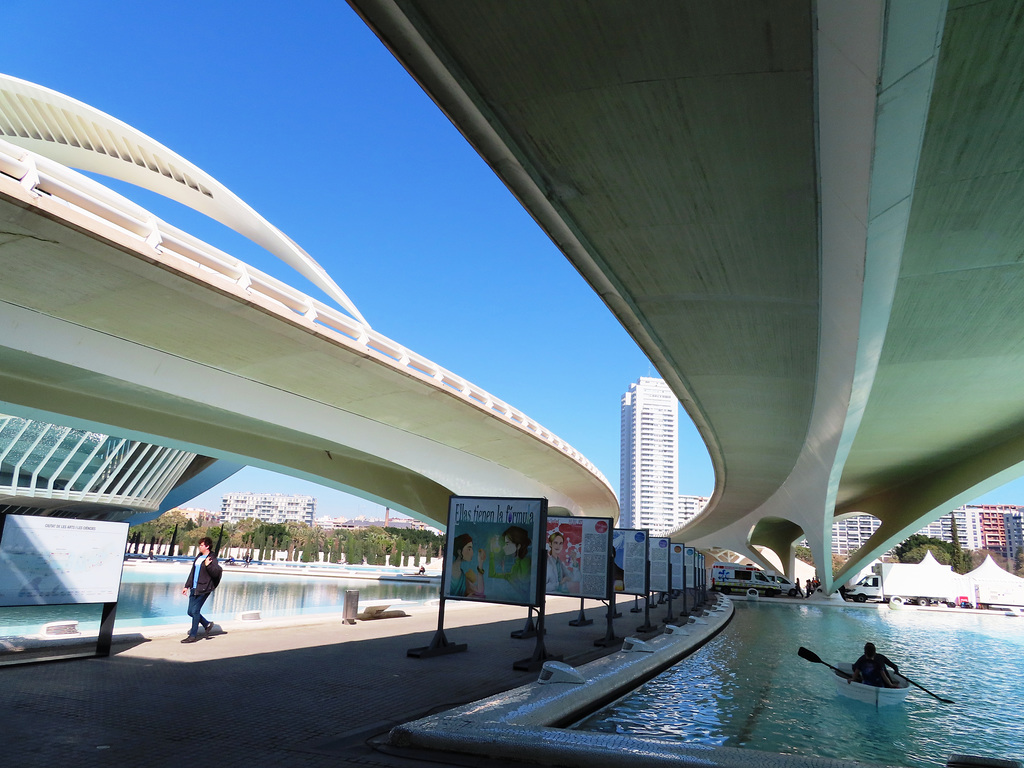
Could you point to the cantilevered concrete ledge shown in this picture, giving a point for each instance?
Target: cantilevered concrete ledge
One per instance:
(528, 722)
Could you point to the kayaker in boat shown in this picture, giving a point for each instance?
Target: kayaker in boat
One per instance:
(870, 669)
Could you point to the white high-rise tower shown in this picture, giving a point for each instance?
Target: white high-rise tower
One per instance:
(649, 457)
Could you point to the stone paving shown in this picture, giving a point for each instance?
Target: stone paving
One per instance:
(314, 694)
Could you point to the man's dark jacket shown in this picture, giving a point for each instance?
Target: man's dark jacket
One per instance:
(209, 576)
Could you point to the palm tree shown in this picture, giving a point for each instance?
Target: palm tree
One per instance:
(377, 542)
(317, 542)
(242, 532)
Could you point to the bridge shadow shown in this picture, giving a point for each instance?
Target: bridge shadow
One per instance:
(321, 703)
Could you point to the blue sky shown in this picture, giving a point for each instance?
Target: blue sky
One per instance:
(301, 111)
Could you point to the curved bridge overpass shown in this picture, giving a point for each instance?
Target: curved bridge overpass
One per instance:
(808, 215)
(111, 320)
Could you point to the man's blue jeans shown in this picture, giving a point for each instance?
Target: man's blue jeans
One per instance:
(195, 606)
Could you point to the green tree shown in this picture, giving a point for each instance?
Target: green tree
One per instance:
(315, 540)
(913, 549)
(243, 531)
(377, 543)
(804, 554)
(959, 559)
(354, 550)
(917, 554)
(397, 551)
(269, 537)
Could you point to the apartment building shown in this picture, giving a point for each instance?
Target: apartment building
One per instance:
(649, 457)
(268, 507)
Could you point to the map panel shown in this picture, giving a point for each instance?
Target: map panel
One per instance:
(57, 561)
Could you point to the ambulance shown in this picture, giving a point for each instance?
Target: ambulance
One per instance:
(741, 579)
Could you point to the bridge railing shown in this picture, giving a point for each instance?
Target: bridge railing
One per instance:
(41, 176)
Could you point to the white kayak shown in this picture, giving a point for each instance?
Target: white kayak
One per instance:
(880, 697)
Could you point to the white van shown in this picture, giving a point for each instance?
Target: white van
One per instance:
(785, 585)
(732, 577)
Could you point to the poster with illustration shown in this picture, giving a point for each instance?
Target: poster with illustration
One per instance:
(676, 552)
(494, 548)
(578, 556)
(657, 554)
(629, 568)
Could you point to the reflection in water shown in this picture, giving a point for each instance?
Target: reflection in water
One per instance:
(748, 688)
(152, 597)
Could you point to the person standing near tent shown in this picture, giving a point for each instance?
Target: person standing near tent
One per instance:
(202, 580)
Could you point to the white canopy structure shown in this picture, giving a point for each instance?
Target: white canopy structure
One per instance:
(995, 586)
(989, 571)
(80, 136)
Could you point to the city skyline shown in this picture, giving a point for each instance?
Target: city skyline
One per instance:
(306, 116)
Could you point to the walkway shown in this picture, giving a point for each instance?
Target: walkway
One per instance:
(313, 694)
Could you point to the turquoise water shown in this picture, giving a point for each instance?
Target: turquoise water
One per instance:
(748, 688)
(153, 597)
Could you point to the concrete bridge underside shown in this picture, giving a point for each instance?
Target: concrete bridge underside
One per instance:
(808, 214)
(100, 330)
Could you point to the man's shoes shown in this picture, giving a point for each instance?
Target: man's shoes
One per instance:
(208, 626)
(191, 639)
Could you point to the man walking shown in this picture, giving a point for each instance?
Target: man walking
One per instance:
(202, 580)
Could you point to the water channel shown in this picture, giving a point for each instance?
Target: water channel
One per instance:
(748, 688)
(151, 595)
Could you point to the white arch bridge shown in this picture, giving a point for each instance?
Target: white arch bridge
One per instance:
(114, 322)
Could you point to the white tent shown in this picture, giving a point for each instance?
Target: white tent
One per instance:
(994, 586)
(990, 571)
(931, 571)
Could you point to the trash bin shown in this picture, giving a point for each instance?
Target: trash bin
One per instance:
(351, 606)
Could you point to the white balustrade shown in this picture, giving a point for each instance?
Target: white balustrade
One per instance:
(104, 205)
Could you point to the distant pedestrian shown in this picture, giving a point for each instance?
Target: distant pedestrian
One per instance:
(799, 591)
(202, 580)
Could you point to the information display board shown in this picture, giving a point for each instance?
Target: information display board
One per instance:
(676, 557)
(690, 562)
(60, 561)
(494, 550)
(629, 569)
(578, 556)
(657, 553)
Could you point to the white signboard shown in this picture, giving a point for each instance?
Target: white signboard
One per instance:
(658, 555)
(59, 560)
